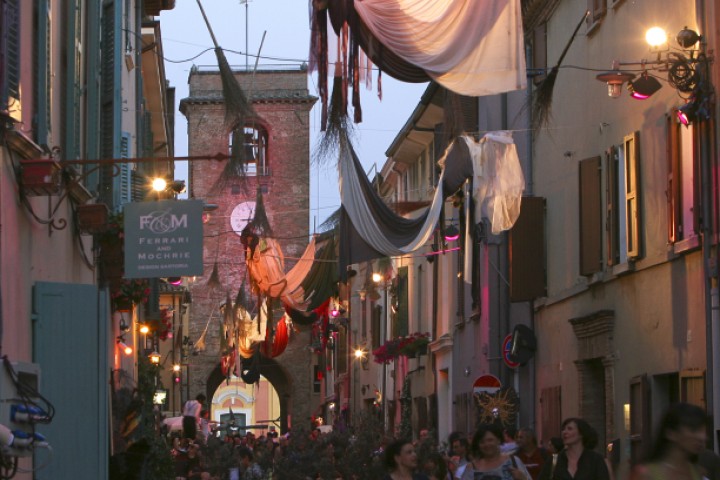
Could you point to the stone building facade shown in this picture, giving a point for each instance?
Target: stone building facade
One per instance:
(276, 142)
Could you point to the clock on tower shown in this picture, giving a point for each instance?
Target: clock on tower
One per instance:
(241, 215)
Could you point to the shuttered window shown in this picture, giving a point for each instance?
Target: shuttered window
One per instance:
(73, 83)
(632, 192)
(400, 324)
(597, 9)
(43, 72)
(590, 217)
(615, 225)
(551, 411)
(682, 182)
(527, 251)
(9, 54)
(376, 325)
(124, 177)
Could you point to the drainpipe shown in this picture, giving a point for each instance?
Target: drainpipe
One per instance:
(710, 268)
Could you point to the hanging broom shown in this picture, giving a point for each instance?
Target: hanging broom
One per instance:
(237, 110)
(542, 100)
(337, 124)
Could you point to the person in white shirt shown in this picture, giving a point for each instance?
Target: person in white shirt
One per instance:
(191, 416)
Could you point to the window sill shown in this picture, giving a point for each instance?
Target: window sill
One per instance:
(623, 268)
(687, 245)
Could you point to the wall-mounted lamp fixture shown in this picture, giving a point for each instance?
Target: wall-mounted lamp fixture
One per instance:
(644, 87)
(377, 277)
(362, 293)
(124, 326)
(452, 233)
(144, 329)
(161, 184)
(174, 280)
(126, 349)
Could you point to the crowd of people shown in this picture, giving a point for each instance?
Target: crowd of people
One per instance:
(490, 453)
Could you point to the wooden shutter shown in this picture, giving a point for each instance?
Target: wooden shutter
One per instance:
(539, 53)
(639, 417)
(376, 325)
(612, 219)
(527, 251)
(551, 411)
(590, 217)
(400, 326)
(597, 10)
(632, 186)
(674, 203)
(70, 343)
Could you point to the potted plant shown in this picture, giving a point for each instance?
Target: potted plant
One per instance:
(130, 292)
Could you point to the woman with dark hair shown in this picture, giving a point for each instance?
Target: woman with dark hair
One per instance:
(680, 439)
(401, 461)
(487, 460)
(577, 461)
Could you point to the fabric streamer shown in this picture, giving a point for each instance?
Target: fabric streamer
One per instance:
(469, 47)
(355, 194)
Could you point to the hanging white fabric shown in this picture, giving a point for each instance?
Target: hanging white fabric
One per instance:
(498, 182)
(355, 205)
(471, 47)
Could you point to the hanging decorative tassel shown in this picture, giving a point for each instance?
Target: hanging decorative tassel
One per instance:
(542, 99)
(237, 110)
(213, 282)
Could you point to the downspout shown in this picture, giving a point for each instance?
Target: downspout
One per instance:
(712, 315)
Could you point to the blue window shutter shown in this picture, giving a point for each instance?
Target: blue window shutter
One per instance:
(43, 74)
(110, 98)
(124, 182)
(70, 343)
(72, 105)
(92, 54)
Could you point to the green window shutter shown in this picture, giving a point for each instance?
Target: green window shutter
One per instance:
(70, 343)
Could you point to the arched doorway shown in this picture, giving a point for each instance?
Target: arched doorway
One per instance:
(275, 374)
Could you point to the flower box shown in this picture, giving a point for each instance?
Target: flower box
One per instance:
(92, 218)
(40, 177)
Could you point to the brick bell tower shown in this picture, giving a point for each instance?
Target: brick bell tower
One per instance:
(277, 148)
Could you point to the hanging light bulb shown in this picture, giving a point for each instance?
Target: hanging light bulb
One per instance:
(452, 233)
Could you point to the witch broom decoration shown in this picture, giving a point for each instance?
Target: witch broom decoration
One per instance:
(237, 110)
(542, 103)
